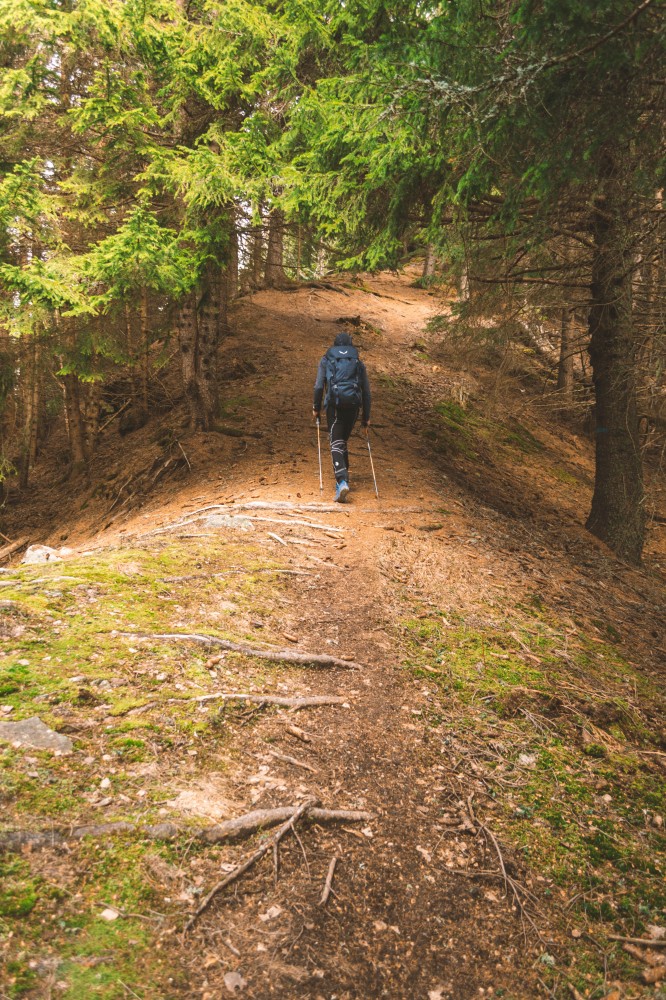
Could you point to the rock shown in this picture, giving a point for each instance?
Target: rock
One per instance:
(40, 554)
(34, 733)
(109, 914)
(234, 982)
(43, 553)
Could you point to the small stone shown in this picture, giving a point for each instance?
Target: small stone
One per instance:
(105, 783)
(109, 914)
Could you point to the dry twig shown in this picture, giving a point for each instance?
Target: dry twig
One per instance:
(329, 881)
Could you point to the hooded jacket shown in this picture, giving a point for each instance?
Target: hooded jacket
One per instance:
(342, 340)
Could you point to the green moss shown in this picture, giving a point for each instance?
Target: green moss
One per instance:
(521, 438)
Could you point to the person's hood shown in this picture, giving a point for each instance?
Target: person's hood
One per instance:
(342, 340)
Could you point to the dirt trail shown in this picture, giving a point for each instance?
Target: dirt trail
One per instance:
(400, 925)
(420, 907)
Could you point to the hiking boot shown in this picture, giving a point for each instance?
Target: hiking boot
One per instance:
(341, 491)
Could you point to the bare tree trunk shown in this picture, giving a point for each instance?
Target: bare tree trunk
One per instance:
(189, 352)
(77, 443)
(231, 276)
(128, 330)
(565, 370)
(617, 515)
(430, 262)
(90, 409)
(210, 323)
(31, 394)
(145, 349)
(258, 252)
(275, 275)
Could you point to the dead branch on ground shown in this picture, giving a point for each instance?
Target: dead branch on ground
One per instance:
(259, 699)
(259, 819)
(15, 841)
(277, 655)
(329, 882)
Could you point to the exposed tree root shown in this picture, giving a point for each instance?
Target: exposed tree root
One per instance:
(259, 699)
(277, 655)
(15, 841)
(294, 814)
(261, 819)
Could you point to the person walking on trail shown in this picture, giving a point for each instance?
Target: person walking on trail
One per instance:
(342, 373)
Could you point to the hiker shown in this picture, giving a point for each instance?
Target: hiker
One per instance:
(347, 391)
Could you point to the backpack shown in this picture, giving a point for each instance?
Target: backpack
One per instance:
(343, 376)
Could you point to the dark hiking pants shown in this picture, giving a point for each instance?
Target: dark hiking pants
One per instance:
(340, 420)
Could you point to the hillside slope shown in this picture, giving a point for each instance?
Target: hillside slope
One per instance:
(504, 728)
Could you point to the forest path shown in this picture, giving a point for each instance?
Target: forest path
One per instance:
(498, 724)
(401, 923)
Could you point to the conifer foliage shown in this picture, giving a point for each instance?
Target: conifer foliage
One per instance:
(158, 158)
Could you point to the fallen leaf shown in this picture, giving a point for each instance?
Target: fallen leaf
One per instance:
(656, 932)
(271, 913)
(210, 961)
(290, 637)
(425, 854)
(437, 994)
(379, 926)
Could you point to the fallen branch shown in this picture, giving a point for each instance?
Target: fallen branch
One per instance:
(277, 655)
(292, 760)
(259, 699)
(239, 870)
(271, 534)
(329, 881)
(643, 942)
(8, 550)
(17, 841)
(261, 819)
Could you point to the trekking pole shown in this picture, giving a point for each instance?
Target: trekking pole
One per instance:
(321, 481)
(372, 464)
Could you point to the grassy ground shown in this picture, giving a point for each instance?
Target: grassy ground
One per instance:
(64, 660)
(555, 731)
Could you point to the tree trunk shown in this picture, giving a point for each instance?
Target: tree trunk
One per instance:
(145, 349)
(75, 427)
(189, 356)
(232, 265)
(430, 262)
(210, 323)
(275, 275)
(257, 267)
(617, 515)
(565, 370)
(31, 422)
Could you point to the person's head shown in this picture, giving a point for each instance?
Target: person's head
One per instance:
(343, 340)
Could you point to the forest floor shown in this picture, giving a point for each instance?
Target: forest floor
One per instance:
(501, 721)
